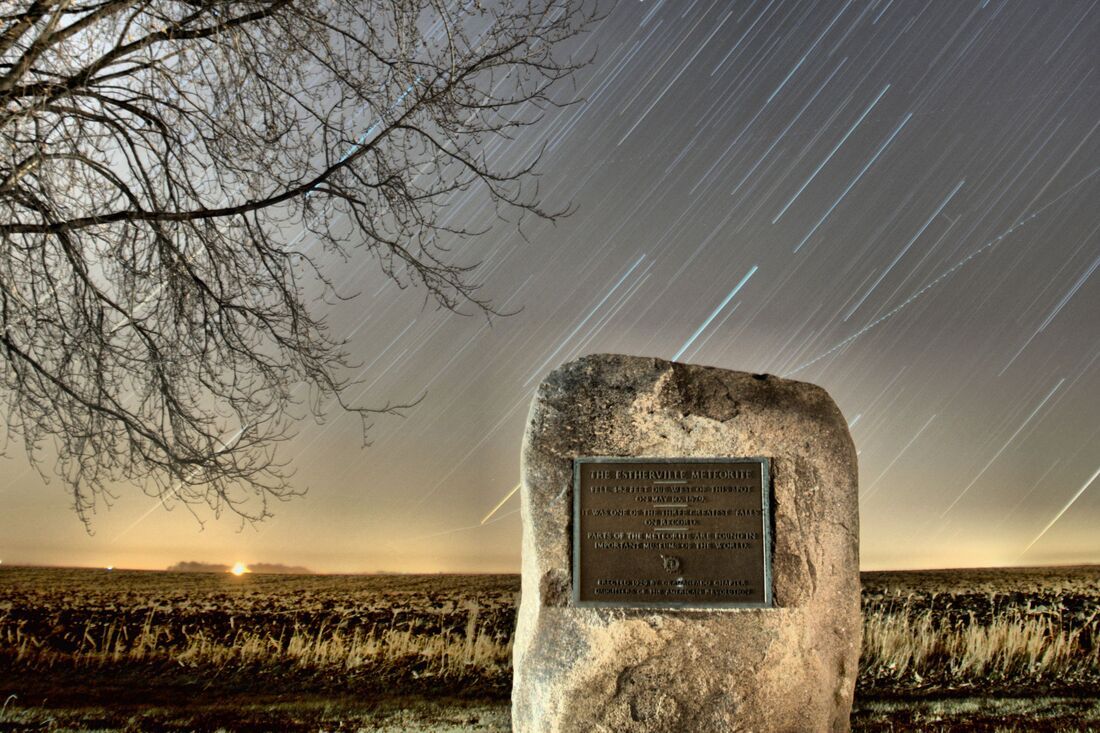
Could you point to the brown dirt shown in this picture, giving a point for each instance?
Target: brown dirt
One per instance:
(54, 674)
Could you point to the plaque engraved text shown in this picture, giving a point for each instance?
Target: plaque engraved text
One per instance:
(668, 532)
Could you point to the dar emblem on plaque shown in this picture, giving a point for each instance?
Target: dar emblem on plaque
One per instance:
(672, 563)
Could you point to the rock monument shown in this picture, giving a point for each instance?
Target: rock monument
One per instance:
(690, 553)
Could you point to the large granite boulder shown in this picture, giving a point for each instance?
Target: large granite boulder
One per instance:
(791, 667)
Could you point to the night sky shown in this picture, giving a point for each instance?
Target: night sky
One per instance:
(897, 200)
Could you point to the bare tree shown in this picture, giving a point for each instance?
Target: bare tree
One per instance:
(172, 175)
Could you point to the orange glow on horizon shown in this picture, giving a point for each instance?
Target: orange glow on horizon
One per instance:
(239, 569)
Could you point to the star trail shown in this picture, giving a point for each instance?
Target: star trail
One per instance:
(897, 200)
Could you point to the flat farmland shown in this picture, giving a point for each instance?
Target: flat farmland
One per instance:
(296, 632)
(84, 649)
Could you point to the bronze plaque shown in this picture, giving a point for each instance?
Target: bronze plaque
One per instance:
(671, 532)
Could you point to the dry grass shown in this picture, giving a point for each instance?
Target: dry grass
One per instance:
(474, 652)
(908, 644)
(917, 636)
(338, 649)
(943, 651)
(900, 644)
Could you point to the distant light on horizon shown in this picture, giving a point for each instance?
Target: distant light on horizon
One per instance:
(239, 569)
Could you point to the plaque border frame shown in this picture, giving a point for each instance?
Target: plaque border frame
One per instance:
(766, 507)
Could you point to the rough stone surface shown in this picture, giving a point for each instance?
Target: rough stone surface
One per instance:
(788, 668)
